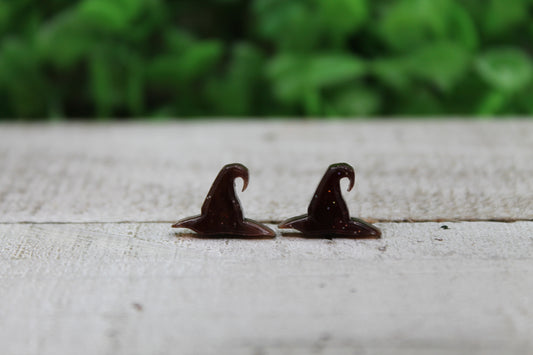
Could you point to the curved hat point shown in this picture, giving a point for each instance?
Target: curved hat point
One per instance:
(342, 170)
(237, 170)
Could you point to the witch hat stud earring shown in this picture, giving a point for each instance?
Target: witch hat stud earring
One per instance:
(222, 213)
(328, 215)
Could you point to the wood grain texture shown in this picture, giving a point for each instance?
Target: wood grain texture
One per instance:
(418, 170)
(88, 285)
(140, 288)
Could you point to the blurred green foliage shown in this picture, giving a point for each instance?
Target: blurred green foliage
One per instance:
(322, 58)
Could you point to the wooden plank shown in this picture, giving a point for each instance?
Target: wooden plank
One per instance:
(422, 170)
(139, 288)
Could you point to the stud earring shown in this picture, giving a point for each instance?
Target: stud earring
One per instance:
(327, 214)
(221, 213)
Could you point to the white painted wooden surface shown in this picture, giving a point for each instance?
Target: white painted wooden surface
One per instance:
(404, 170)
(75, 280)
(141, 289)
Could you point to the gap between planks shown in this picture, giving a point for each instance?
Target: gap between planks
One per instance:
(369, 220)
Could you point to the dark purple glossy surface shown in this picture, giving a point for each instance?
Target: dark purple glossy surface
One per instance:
(328, 215)
(221, 213)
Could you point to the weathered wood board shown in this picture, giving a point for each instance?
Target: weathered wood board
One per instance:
(142, 288)
(418, 170)
(90, 265)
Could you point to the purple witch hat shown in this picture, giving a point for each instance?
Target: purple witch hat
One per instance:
(221, 212)
(328, 215)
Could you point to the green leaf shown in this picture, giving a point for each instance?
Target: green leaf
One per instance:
(134, 91)
(102, 88)
(294, 75)
(300, 80)
(391, 72)
(4, 15)
(341, 17)
(110, 15)
(418, 102)
(104, 14)
(442, 64)
(524, 100)
(199, 57)
(21, 77)
(502, 15)
(407, 24)
(177, 41)
(506, 69)
(235, 93)
(291, 25)
(354, 102)
(462, 27)
(326, 70)
(285, 73)
(493, 103)
(63, 41)
(179, 69)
